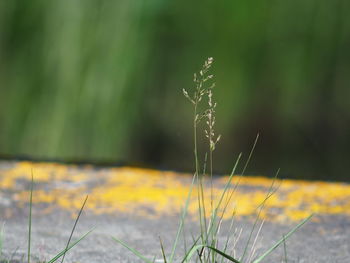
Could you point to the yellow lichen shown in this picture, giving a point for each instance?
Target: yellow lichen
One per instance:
(151, 193)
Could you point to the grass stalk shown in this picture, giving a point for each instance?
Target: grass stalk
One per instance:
(252, 250)
(197, 247)
(206, 246)
(228, 236)
(285, 250)
(64, 251)
(162, 249)
(30, 217)
(260, 208)
(283, 239)
(73, 229)
(68, 247)
(134, 251)
(182, 221)
(200, 197)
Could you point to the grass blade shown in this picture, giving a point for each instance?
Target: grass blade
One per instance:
(185, 240)
(285, 249)
(30, 217)
(253, 248)
(227, 185)
(75, 224)
(162, 248)
(1, 239)
(270, 192)
(182, 220)
(229, 235)
(134, 251)
(223, 254)
(195, 241)
(55, 258)
(283, 239)
(251, 153)
(195, 248)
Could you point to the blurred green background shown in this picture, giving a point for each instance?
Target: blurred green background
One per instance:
(101, 81)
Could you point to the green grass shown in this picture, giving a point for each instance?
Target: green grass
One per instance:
(59, 255)
(205, 247)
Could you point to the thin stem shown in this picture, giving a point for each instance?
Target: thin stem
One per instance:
(197, 165)
(73, 229)
(30, 217)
